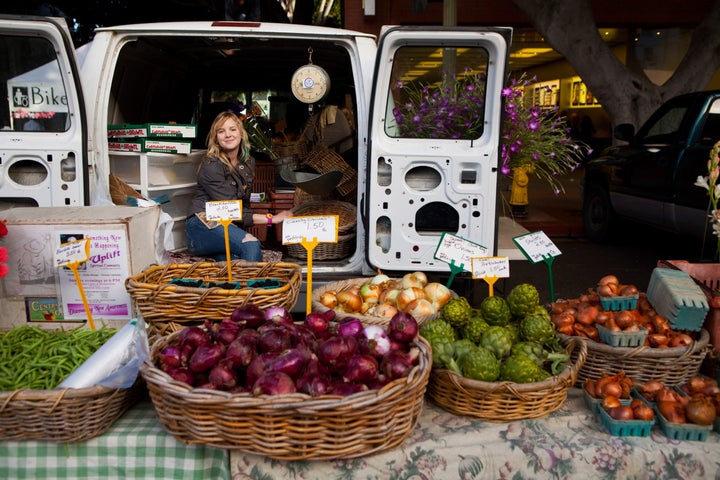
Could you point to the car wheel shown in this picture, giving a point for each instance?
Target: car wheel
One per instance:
(598, 215)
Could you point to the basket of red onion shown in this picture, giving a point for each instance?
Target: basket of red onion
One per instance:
(318, 389)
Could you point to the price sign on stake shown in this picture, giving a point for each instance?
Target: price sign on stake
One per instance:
(490, 269)
(537, 246)
(224, 212)
(70, 255)
(458, 253)
(309, 231)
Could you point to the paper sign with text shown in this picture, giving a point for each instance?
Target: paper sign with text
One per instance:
(77, 251)
(324, 228)
(536, 246)
(224, 210)
(458, 250)
(485, 267)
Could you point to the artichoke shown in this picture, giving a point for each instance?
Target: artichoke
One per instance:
(522, 299)
(462, 347)
(495, 311)
(537, 328)
(520, 368)
(437, 326)
(456, 312)
(480, 364)
(498, 340)
(475, 327)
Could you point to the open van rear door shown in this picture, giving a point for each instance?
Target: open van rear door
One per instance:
(433, 150)
(43, 147)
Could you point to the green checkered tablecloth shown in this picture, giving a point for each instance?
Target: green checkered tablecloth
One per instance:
(136, 447)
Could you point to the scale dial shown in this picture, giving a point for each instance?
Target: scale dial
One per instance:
(310, 83)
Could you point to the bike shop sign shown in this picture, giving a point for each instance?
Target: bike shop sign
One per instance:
(35, 95)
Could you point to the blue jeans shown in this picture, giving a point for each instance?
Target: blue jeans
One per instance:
(210, 242)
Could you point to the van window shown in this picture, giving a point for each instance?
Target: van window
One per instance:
(30, 74)
(437, 93)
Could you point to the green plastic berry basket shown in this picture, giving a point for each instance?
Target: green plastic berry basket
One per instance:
(628, 302)
(594, 404)
(626, 428)
(622, 339)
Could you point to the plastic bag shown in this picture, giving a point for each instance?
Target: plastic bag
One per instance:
(117, 363)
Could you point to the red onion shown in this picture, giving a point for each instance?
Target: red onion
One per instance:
(374, 341)
(258, 366)
(222, 376)
(346, 388)
(361, 368)
(193, 337)
(350, 326)
(278, 315)
(205, 357)
(182, 374)
(316, 322)
(302, 335)
(396, 365)
(242, 350)
(226, 331)
(274, 340)
(250, 314)
(170, 358)
(273, 383)
(291, 361)
(336, 351)
(402, 327)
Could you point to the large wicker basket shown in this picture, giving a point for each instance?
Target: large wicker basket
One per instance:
(671, 366)
(65, 414)
(291, 426)
(167, 307)
(347, 285)
(505, 401)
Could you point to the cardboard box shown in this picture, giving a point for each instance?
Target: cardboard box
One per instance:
(151, 145)
(123, 243)
(165, 130)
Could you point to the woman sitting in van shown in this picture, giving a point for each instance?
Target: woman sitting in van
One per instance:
(226, 173)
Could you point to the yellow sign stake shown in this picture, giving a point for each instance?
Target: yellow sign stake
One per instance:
(491, 281)
(74, 267)
(225, 222)
(309, 246)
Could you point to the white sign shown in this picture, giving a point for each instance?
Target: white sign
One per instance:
(324, 229)
(77, 251)
(224, 210)
(536, 246)
(454, 249)
(487, 267)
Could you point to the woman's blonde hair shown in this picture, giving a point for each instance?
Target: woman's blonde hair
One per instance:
(214, 149)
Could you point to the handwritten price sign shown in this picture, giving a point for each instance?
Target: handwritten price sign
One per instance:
(72, 252)
(223, 210)
(536, 246)
(486, 267)
(457, 250)
(324, 228)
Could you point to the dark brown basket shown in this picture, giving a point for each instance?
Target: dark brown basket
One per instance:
(292, 426)
(505, 401)
(65, 414)
(671, 366)
(325, 251)
(167, 307)
(323, 160)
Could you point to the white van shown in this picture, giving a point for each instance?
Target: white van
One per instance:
(411, 186)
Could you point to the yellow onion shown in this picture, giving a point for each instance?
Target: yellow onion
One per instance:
(389, 296)
(349, 301)
(421, 307)
(437, 293)
(414, 279)
(407, 295)
(384, 310)
(329, 299)
(370, 293)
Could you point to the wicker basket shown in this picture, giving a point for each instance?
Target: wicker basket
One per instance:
(325, 251)
(505, 401)
(292, 426)
(347, 285)
(346, 212)
(671, 366)
(167, 307)
(323, 160)
(64, 415)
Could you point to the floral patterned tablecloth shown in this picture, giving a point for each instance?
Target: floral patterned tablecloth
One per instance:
(570, 443)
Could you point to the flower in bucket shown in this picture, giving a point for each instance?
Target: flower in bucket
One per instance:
(532, 137)
(710, 183)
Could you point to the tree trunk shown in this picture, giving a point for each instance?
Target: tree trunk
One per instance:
(627, 96)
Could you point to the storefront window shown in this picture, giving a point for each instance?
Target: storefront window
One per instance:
(30, 75)
(437, 93)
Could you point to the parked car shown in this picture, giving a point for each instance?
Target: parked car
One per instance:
(651, 179)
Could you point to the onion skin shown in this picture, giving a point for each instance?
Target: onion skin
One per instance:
(700, 411)
(673, 411)
(622, 412)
